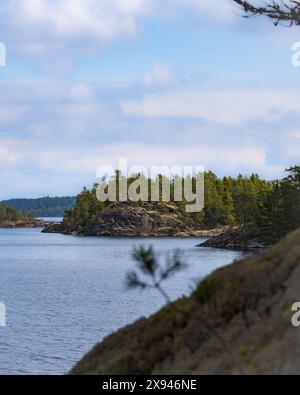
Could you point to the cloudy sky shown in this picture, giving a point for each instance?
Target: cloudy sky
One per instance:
(161, 82)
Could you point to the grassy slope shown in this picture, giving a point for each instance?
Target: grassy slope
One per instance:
(237, 321)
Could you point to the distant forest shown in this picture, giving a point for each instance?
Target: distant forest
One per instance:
(43, 207)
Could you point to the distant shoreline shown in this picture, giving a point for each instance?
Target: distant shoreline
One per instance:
(25, 224)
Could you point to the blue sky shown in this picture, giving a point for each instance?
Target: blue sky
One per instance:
(161, 82)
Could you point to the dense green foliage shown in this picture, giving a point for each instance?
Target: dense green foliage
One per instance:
(10, 214)
(43, 207)
(87, 208)
(267, 210)
(279, 212)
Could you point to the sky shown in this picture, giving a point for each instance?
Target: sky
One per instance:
(160, 82)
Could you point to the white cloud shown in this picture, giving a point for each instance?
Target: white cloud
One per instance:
(102, 20)
(295, 135)
(10, 154)
(231, 159)
(225, 107)
(81, 92)
(159, 74)
(42, 26)
(7, 158)
(92, 132)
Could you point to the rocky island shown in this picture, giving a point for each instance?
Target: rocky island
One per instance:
(239, 213)
(131, 220)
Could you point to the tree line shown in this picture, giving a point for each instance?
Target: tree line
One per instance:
(8, 213)
(264, 209)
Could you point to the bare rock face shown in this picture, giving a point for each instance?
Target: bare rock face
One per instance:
(129, 220)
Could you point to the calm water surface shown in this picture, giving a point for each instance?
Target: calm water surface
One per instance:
(63, 294)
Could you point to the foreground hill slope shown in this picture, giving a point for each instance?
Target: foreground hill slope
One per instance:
(237, 321)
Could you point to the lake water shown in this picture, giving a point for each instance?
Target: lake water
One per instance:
(63, 294)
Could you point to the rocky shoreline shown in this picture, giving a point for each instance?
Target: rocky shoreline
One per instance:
(145, 220)
(234, 240)
(125, 220)
(25, 224)
(59, 228)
